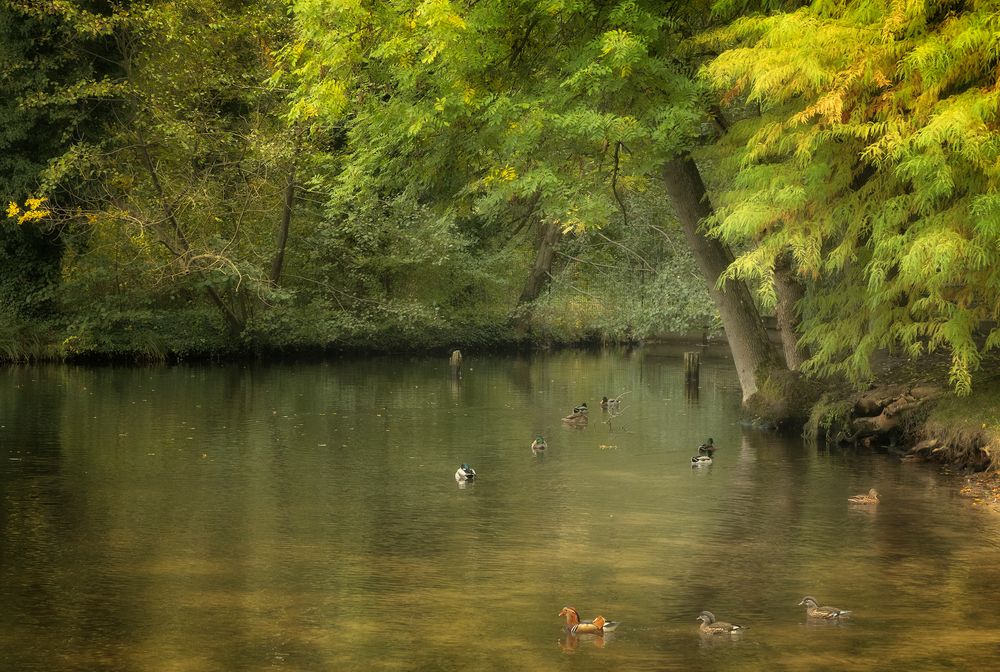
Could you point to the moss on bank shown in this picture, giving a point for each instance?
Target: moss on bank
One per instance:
(965, 430)
(785, 398)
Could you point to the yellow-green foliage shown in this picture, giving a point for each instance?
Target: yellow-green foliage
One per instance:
(868, 147)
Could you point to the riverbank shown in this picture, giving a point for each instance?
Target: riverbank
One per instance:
(197, 334)
(911, 412)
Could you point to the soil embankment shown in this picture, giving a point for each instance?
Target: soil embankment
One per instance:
(920, 420)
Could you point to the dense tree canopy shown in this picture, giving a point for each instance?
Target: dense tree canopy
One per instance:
(304, 173)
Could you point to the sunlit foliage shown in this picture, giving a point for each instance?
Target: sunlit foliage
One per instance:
(867, 146)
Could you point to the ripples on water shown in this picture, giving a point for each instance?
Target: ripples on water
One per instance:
(305, 517)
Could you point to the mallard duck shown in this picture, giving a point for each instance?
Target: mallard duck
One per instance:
(582, 408)
(538, 444)
(609, 404)
(709, 626)
(813, 610)
(599, 625)
(701, 460)
(708, 447)
(870, 498)
(577, 417)
(465, 473)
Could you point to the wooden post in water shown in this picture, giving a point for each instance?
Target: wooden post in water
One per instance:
(692, 362)
(456, 363)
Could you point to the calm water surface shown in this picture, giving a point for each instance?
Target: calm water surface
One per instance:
(305, 517)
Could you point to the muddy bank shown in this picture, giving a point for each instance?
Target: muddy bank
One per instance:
(919, 421)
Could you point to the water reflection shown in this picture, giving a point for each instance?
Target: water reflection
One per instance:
(304, 517)
(569, 642)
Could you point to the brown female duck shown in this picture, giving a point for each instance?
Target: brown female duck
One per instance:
(710, 626)
(813, 610)
(870, 498)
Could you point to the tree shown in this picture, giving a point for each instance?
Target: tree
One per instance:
(873, 164)
(475, 108)
(182, 172)
(40, 56)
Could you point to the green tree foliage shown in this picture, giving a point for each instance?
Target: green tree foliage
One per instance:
(181, 191)
(866, 146)
(41, 56)
(486, 106)
(631, 280)
(494, 117)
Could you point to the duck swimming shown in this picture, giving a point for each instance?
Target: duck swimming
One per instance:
(465, 473)
(574, 625)
(813, 610)
(870, 498)
(701, 460)
(538, 444)
(578, 416)
(609, 404)
(709, 626)
(708, 447)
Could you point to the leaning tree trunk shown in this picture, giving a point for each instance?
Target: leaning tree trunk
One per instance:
(541, 271)
(790, 291)
(752, 351)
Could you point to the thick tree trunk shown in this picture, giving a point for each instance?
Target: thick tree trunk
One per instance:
(752, 351)
(789, 291)
(540, 273)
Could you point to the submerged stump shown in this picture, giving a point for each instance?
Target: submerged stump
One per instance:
(692, 363)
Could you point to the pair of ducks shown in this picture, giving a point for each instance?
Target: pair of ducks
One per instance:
(467, 473)
(704, 456)
(710, 626)
(579, 414)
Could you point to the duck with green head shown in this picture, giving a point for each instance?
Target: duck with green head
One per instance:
(578, 416)
(465, 473)
(538, 444)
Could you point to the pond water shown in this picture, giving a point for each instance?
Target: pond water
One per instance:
(306, 517)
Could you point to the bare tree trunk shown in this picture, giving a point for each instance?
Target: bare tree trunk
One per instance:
(286, 219)
(287, 206)
(789, 291)
(540, 272)
(752, 351)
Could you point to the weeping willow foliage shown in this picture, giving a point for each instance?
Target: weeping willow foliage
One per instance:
(867, 145)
